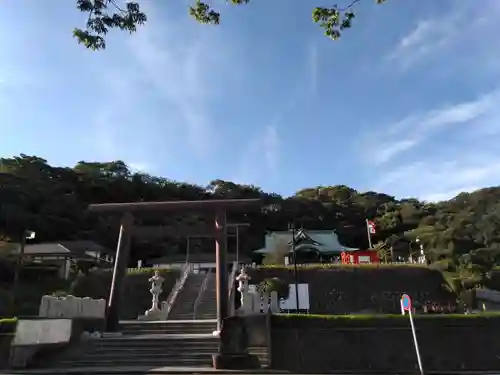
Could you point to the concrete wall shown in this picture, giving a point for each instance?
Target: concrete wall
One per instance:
(384, 344)
(39, 339)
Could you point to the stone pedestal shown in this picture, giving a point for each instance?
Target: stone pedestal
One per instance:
(233, 351)
(235, 362)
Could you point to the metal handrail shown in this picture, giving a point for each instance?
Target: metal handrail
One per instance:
(179, 285)
(200, 293)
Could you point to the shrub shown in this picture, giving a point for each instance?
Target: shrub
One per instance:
(359, 317)
(29, 295)
(8, 325)
(7, 331)
(344, 266)
(275, 284)
(371, 321)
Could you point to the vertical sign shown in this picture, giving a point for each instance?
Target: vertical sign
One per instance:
(406, 306)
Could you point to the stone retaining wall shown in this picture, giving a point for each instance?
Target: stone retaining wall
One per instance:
(346, 290)
(384, 344)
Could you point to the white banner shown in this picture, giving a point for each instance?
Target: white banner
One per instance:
(291, 302)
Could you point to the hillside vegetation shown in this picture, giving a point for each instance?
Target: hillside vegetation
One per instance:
(462, 233)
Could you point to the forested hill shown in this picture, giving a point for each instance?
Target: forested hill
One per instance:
(52, 200)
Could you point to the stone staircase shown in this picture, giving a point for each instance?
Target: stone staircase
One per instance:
(183, 307)
(143, 344)
(207, 304)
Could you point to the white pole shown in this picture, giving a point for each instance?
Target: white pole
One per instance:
(417, 350)
(369, 234)
(237, 244)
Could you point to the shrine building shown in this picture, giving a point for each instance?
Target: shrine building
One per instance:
(311, 246)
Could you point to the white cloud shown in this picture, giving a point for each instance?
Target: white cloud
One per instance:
(427, 37)
(140, 167)
(440, 170)
(415, 129)
(435, 154)
(442, 179)
(459, 30)
(387, 152)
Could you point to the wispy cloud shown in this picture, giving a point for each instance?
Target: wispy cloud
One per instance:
(427, 37)
(438, 152)
(140, 167)
(415, 129)
(270, 147)
(260, 160)
(464, 27)
(313, 67)
(181, 68)
(439, 180)
(175, 70)
(465, 159)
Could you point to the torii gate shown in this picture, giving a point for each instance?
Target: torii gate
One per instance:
(218, 207)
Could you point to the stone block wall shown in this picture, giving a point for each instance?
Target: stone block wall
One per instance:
(354, 289)
(384, 344)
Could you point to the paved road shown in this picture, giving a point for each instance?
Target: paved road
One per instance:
(189, 370)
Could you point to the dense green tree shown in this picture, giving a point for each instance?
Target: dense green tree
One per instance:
(104, 15)
(52, 200)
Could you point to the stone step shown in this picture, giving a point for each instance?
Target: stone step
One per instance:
(195, 355)
(151, 341)
(144, 370)
(164, 322)
(171, 326)
(188, 330)
(147, 343)
(147, 350)
(186, 316)
(153, 362)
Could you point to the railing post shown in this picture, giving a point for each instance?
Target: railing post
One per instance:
(200, 294)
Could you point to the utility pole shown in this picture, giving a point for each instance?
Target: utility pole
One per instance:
(292, 227)
(25, 235)
(237, 245)
(237, 226)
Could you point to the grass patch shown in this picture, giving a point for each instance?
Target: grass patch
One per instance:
(365, 317)
(8, 321)
(344, 266)
(8, 326)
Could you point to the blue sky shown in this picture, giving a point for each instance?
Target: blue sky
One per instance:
(405, 103)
